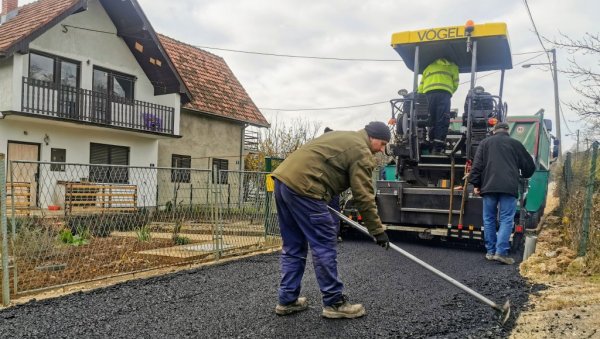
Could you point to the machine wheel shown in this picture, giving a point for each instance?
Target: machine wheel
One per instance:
(533, 220)
(517, 243)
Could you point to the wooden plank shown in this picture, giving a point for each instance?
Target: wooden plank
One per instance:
(102, 194)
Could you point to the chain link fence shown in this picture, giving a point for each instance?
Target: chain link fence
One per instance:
(71, 223)
(579, 195)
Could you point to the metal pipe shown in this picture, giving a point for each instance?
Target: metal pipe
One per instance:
(530, 241)
(5, 273)
(504, 310)
(452, 163)
(556, 103)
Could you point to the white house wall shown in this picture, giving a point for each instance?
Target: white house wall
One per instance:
(143, 151)
(6, 84)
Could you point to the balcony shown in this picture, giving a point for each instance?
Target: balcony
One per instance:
(99, 108)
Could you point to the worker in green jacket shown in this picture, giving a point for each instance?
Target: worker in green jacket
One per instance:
(304, 184)
(438, 83)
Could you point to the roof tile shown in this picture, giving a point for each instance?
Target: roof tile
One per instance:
(31, 17)
(214, 87)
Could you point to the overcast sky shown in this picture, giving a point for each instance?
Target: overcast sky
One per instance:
(363, 29)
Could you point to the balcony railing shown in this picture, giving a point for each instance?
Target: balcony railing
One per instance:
(70, 103)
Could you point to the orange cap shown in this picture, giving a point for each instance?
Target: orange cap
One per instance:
(469, 23)
(492, 121)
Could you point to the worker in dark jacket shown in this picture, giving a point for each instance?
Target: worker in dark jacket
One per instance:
(438, 83)
(498, 163)
(304, 184)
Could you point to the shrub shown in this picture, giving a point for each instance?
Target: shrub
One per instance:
(143, 233)
(100, 225)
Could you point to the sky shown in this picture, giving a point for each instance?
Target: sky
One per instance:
(363, 29)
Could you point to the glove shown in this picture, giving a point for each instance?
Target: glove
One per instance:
(382, 240)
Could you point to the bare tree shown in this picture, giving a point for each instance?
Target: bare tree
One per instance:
(281, 140)
(585, 79)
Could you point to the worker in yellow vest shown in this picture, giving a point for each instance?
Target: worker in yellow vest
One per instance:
(438, 83)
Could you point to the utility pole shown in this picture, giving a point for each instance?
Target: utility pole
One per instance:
(577, 149)
(556, 103)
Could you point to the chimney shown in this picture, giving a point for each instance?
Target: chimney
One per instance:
(9, 6)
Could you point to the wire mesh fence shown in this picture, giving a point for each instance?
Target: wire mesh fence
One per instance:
(71, 223)
(578, 191)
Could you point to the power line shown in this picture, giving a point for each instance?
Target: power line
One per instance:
(378, 102)
(535, 30)
(297, 56)
(549, 61)
(315, 57)
(323, 108)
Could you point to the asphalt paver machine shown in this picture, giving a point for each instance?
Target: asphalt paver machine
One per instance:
(428, 192)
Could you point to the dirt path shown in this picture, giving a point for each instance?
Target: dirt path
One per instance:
(569, 305)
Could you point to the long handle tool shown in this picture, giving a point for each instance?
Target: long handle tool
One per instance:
(504, 310)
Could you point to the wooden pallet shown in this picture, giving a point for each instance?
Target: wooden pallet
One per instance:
(99, 198)
(20, 194)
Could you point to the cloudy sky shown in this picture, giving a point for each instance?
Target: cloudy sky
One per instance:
(363, 29)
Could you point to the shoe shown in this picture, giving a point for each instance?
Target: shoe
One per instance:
(299, 305)
(504, 259)
(489, 256)
(343, 309)
(339, 239)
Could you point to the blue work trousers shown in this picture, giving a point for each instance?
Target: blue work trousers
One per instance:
(304, 221)
(504, 206)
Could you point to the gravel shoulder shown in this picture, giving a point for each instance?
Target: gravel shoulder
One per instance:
(569, 305)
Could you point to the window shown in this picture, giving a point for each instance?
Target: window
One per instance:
(63, 75)
(54, 69)
(116, 84)
(58, 155)
(109, 155)
(180, 161)
(41, 67)
(219, 165)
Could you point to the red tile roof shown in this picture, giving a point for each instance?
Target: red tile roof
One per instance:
(215, 89)
(31, 18)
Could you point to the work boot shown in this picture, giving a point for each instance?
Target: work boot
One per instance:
(489, 256)
(299, 305)
(343, 309)
(504, 259)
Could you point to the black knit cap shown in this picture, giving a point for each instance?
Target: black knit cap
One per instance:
(378, 130)
(501, 125)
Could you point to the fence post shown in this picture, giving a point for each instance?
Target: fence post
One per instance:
(567, 176)
(5, 273)
(589, 196)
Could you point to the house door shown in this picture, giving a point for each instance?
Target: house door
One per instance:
(23, 175)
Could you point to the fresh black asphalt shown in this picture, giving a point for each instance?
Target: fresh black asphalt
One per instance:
(237, 300)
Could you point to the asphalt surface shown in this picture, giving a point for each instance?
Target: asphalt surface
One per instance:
(237, 300)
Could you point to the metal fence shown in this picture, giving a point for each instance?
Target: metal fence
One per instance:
(71, 223)
(578, 203)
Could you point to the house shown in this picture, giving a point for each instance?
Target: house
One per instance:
(90, 82)
(213, 125)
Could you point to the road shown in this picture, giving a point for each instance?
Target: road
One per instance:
(237, 300)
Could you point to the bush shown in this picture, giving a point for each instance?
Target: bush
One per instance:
(100, 225)
(35, 240)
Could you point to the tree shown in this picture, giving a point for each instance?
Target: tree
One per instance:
(586, 78)
(281, 140)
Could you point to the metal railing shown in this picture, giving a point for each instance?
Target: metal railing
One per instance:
(71, 103)
(64, 229)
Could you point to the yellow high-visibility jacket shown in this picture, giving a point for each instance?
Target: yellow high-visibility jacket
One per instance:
(440, 74)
